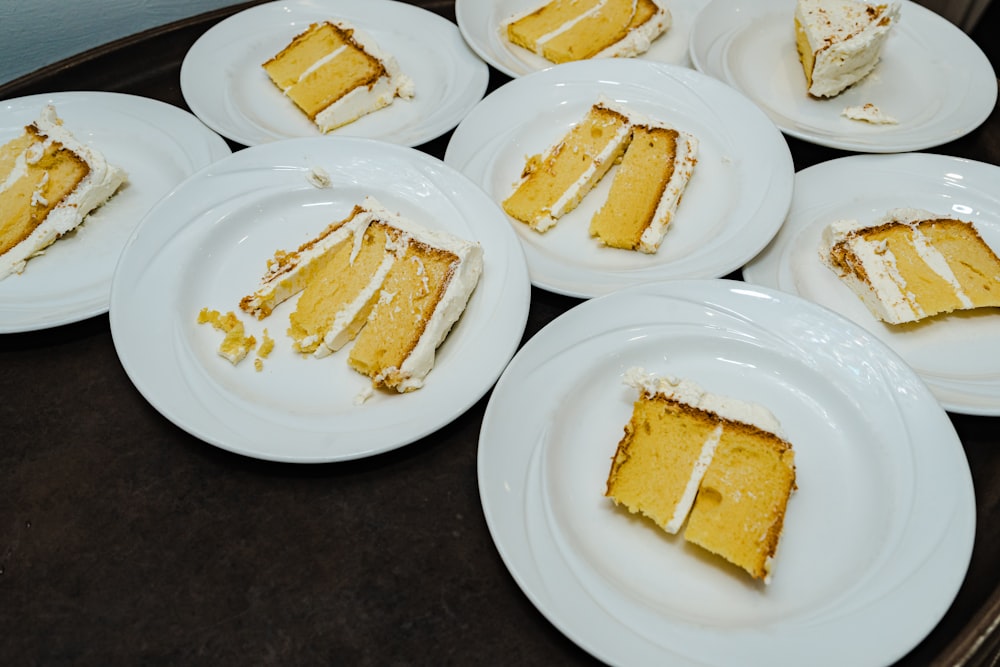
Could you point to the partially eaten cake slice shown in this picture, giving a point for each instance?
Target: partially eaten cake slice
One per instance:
(567, 30)
(912, 264)
(335, 74)
(840, 41)
(717, 463)
(49, 183)
(394, 287)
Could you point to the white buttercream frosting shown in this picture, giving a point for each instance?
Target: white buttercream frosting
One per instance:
(885, 291)
(100, 183)
(868, 113)
(366, 99)
(846, 38)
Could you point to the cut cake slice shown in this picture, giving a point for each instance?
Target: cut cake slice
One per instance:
(49, 183)
(647, 187)
(716, 462)
(567, 30)
(336, 73)
(840, 41)
(912, 264)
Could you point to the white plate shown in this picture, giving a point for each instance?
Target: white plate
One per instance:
(224, 84)
(932, 77)
(480, 24)
(157, 144)
(877, 538)
(955, 354)
(206, 245)
(733, 205)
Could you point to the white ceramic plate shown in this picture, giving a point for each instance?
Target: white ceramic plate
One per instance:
(955, 354)
(932, 77)
(206, 245)
(733, 205)
(157, 144)
(877, 538)
(480, 24)
(224, 84)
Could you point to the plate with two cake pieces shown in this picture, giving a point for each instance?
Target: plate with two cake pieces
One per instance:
(153, 146)
(403, 73)
(930, 84)
(954, 352)
(319, 299)
(708, 194)
(880, 564)
(658, 30)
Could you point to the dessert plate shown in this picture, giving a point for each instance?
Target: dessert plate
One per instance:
(206, 245)
(224, 84)
(737, 197)
(879, 564)
(157, 144)
(954, 354)
(480, 25)
(932, 77)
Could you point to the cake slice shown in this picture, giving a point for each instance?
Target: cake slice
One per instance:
(912, 264)
(336, 74)
(394, 287)
(553, 183)
(567, 30)
(840, 41)
(718, 463)
(647, 187)
(49, 182)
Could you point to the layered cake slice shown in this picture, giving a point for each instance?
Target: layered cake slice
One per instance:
(375, 277)
(647, 187)
(336, 74)
(912, 264)
(553, 183)
(840, 41)
(718, 463)
(49, 183)
(567, 30)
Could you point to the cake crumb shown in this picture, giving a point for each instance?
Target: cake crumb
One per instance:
(236, 344)
(868, 113)
(318, 177)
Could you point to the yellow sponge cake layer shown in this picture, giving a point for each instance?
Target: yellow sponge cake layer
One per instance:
(568, 30)
(49, 182)
(912, 264)
(553, 183)
(646, 189)
(717, 463)
(335, 74)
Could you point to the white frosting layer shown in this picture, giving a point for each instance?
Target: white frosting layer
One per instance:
(364, 100)
(868, 113)
(885, 292)
(102, 180)
(845, 40)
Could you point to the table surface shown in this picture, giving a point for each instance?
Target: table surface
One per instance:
(125, 540)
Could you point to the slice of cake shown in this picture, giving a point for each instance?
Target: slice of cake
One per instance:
(912, 264)
(375, 277)
(336, 74)
(840, 41)
(566, 30)
(647, 187)
(718, 463)
(49, 183)
(553, 183)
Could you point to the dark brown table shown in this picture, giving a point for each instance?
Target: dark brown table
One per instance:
(124, 540)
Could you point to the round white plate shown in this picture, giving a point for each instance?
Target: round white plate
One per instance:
(737, 197)
(224, 84)
(206, 245)
(480, 24)
(157, 144)
(877, 538)
(932, 77)
(955, 354)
